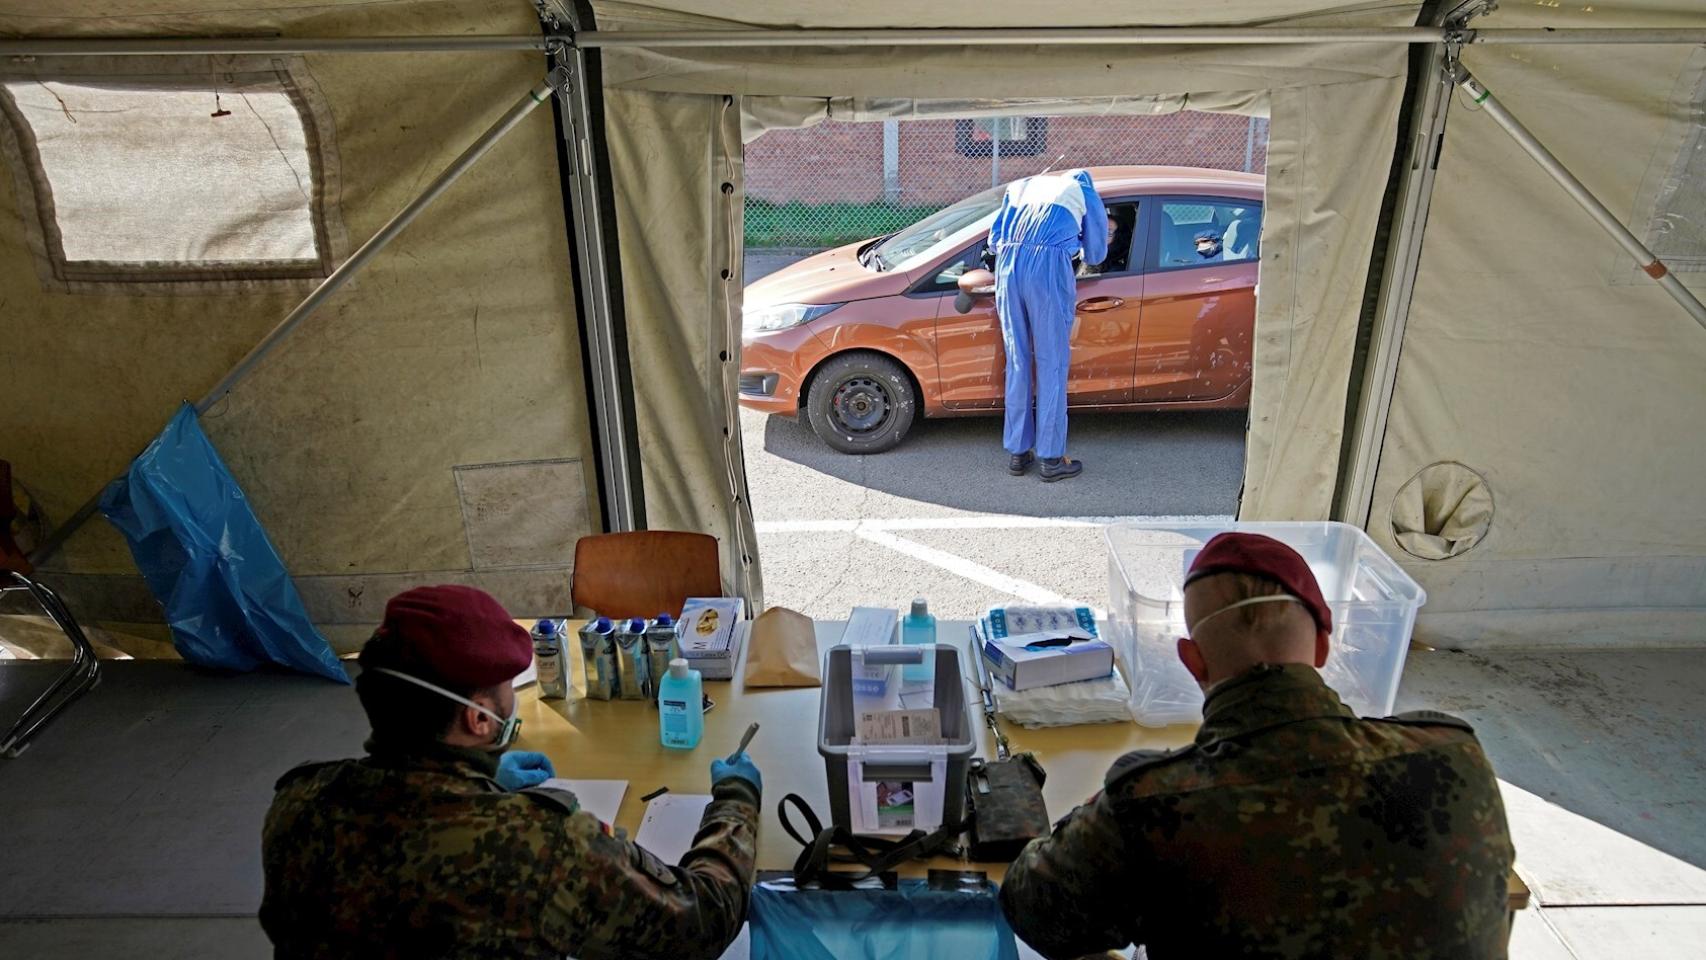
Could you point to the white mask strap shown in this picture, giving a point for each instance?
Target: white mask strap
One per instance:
(1277, 598)
(508, 727)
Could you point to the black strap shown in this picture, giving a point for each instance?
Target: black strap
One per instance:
(877, 856)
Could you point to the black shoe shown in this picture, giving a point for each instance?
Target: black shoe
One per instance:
(1060, 468)
(1018, 463)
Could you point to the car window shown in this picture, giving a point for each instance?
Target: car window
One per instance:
(939, 232)
(1124, 217)
(947, 279)
(1193, 231)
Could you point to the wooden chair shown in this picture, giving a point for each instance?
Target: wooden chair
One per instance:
(85, 669)
(644, 573)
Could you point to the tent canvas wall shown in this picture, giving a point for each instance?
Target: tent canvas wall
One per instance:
(350, 440)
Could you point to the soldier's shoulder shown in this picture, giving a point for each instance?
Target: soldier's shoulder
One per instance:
(1139, 763)
(553, 800)
(306, 773)
(1427, 718)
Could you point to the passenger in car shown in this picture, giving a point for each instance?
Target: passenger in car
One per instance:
(1208, 245)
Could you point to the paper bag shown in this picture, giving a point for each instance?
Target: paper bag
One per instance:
(782, 651)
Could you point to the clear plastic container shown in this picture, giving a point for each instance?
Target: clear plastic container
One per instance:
(1374, 604)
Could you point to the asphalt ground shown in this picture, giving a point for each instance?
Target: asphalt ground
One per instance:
(940, 517)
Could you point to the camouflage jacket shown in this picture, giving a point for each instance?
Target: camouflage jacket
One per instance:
(1289, 829)
(421, 854)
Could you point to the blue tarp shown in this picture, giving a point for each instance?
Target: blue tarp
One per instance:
(228, 599)
(911, 922)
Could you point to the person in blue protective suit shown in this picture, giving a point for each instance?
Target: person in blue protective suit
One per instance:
(1044, 224)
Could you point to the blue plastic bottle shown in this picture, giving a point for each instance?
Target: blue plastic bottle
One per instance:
(919, 627)
(681, 707)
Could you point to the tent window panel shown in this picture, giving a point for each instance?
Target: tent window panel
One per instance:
(1678, 230)
(182, 180)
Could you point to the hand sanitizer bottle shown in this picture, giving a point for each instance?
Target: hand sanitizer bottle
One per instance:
(681, 707)
(919, 627)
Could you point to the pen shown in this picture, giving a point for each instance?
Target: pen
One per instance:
(744, 740)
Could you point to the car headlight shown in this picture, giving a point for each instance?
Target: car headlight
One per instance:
(781, 316)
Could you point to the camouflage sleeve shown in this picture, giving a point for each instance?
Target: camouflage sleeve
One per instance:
(1068, 894)
(621, 901)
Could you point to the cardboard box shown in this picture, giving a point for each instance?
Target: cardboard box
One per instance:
(710, 632)
(1023, 669)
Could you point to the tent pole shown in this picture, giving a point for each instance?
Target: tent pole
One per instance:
(1403, 256)
(156, 46)
(995, 36)
(1647, 260)
(329, 286)
(1119, 36)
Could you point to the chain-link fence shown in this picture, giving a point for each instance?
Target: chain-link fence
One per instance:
(836, 183)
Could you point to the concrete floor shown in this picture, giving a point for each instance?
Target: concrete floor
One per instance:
(131, 827)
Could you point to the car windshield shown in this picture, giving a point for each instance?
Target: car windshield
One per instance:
(938, 233)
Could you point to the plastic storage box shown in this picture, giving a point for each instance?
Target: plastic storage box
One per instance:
(1373, 600)
(897, 763)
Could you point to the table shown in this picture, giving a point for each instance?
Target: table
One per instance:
(618, 740)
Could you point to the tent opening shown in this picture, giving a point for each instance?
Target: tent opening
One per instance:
(864, 387)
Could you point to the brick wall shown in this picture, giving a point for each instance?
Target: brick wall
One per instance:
(843, 162)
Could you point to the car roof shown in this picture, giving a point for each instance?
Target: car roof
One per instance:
(1148, 179)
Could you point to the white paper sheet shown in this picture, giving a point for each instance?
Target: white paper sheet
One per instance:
(670, 823)
(601, 798)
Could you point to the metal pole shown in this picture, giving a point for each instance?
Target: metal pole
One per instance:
(995, 152)
(621, 490)
(1647, 260)
(1042, 36)
(1249, 144)
(1403, 256)
(1002, 36)
(1122, 36)
(514, 115)
(156, 46)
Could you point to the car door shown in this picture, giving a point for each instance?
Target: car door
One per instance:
(1199, 312)
(1107, 310)
(971, 358)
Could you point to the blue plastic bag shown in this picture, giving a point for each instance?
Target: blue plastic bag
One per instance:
(228, 599)
(911, 922)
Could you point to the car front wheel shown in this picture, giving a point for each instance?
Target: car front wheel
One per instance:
(862, 403)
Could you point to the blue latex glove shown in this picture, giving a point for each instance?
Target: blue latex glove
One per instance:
(520, 769)
(742, 767)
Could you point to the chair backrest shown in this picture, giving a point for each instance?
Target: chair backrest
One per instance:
(644, 573)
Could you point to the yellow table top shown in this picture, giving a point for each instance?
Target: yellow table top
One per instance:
(618, 740)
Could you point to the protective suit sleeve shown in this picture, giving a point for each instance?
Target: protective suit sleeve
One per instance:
(1095, 227)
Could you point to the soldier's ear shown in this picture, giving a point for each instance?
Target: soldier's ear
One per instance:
(1191, 656)
(1320, 649)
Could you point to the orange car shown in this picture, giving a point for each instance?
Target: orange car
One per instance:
(865, 337)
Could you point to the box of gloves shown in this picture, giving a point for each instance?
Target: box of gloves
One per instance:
(1029, 647)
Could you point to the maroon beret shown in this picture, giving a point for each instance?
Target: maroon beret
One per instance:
(459, 634)
(1268, 558)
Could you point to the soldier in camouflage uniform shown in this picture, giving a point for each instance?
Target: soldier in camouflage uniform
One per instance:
(434, 846)
(1290, 828)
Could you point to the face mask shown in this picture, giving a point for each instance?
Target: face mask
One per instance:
(1277, 598)
(508, 728)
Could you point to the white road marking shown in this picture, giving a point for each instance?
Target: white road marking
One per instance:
(965, 523)
(969, 569)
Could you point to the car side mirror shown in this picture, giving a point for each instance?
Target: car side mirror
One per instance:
(974, 285)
